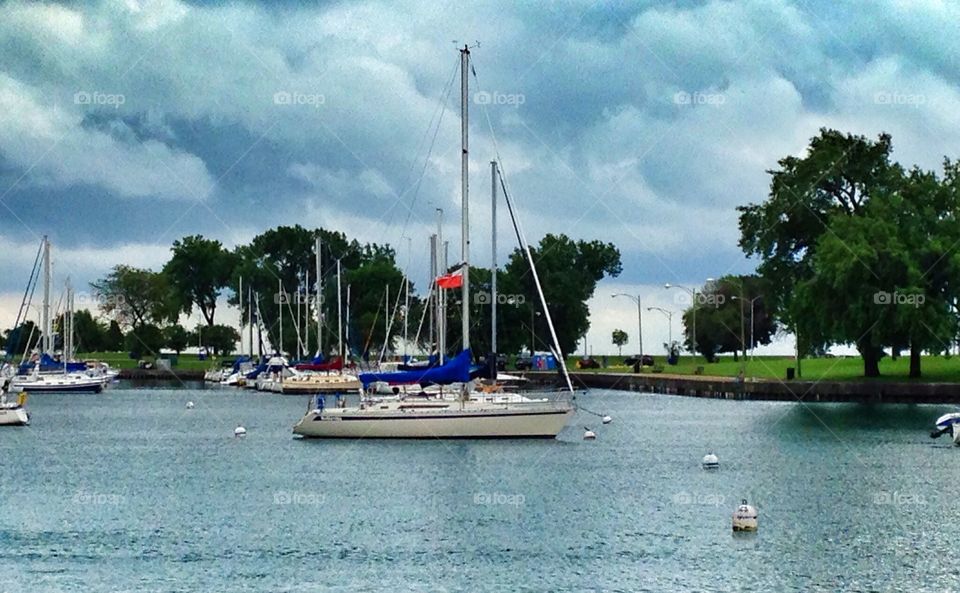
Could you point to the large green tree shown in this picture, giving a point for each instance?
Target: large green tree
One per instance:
(196, 273)
(722, 306)
(568, 270)
(836, 178)
(134, 296)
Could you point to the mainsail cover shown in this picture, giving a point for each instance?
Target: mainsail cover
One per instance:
(455, 370)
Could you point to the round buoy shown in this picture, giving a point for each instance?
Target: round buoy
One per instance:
(589, 435)
(240, 431)
(189, 405)
(711, 461)
(607, 419)
(745, 517)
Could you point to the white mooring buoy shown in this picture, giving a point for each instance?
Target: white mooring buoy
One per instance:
(240, 431)
(745, 517)
(189, 405)
(589, 435)
(607, 419)
(711, 461)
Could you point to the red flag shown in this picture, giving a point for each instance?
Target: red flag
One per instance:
(451, 280)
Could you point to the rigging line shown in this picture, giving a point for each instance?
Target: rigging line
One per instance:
(442, 106)
(393, 316)
(34, 276)
(526, 248)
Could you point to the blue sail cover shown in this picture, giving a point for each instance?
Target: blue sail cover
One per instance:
(49, 365)
(455, 370)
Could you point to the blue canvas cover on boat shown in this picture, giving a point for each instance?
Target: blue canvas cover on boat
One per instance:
(455, 370)
(48, 364)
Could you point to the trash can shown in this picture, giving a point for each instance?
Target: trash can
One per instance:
(791, 373)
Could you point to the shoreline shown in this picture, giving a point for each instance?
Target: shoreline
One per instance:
(798, 390)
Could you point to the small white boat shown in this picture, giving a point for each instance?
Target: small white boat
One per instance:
(948, 423)
(13, 413)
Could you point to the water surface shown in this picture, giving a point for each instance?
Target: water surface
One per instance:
(130, 491)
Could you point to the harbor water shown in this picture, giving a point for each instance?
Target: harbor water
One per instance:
(131, 491)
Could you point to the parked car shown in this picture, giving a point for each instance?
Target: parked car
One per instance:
(633, 360)
(523, 363)
(588, 363)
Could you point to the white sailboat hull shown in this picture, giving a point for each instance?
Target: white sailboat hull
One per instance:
(14, 417)
(454, 422)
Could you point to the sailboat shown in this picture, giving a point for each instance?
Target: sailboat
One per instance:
(465, 413)
(13, 413)
(47, 374)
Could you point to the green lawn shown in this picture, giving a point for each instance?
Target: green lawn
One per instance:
(934, 368)
(122, 360)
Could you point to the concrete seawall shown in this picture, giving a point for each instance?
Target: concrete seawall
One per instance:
(161, 375)
(875, 391)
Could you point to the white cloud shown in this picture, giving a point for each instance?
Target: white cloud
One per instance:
(50, 144)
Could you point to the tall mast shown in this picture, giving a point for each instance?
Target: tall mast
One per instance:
(68, 327)
(306, 313)
(339, 314)
(45, 311)
(493, 265)
(464, 164)
(250, 318)
(441, 292)
(240, 296)
(319, 302)
(280, 306)
(386, 322)
(433, 297)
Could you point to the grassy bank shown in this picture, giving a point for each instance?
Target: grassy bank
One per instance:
(935, 368)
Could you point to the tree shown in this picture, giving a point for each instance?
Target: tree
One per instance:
(22, 338)
(176, 337)
(568, 271)
(282, 257)
(145, 339)
(837, 178)
(722, 306)
(885, 279)
(197, 271)
(620, 338)
(113, 339)
(89, 333)
(135, 297)
(220, 339)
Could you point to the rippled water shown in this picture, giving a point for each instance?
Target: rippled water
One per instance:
(129, 491)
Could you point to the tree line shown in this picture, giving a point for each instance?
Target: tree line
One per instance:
(142, 309)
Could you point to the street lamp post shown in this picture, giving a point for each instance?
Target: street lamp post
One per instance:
(752, 330)
(693, 294)
(636, 299)
(669, 315)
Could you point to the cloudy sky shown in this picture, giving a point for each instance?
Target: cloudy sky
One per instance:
(128, 124)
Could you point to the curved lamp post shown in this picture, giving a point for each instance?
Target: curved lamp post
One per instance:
(636, 299)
